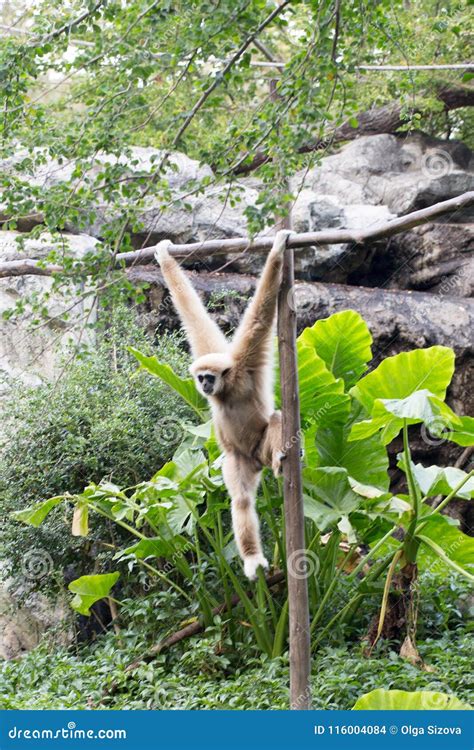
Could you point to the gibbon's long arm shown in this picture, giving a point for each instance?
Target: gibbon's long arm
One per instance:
(252, 340)
(204, 336)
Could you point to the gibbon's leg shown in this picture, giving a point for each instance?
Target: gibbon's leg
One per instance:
(203, 334)
(270, 451)
(241, 479)
(251, 344)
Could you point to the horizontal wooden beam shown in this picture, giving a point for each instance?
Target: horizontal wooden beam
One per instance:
(241, 245)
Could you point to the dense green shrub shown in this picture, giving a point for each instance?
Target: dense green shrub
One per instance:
(206, 672)
(102, 420)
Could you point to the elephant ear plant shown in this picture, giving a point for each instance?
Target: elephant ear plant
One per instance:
(410, 389)
(348, 418)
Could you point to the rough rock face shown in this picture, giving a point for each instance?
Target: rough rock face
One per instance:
(32, 357)
(438, 258)
(401, 172)
(22, 626)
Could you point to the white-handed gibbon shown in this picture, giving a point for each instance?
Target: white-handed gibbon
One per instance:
(236, 378)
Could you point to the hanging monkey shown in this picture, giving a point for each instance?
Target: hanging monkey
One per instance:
(235, 376)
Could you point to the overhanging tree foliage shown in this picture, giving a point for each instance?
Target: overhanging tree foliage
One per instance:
(95, 78)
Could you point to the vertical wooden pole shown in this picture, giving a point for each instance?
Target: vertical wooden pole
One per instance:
(300, 655)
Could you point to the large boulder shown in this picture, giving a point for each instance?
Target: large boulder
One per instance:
(194, 209)
(24, 623)
(437, 258)
(365, 183)
(33, 355)
(402, 172)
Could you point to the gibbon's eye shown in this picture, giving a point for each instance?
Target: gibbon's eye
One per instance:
(200, 378)
(225, 372)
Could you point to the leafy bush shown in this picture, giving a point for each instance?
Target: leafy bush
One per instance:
(209, 674)
(101, 421)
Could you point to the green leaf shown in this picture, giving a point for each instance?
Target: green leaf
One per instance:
(190, 464)
(438, 480)
(183, 387)
(402, 700)
(401, 375)
(443, 541)
(180, 516)
(89, 589)
(390, 414)
(322, 397)
(328, 496)
(420, 406)
(155, 547)
(343, 341)
(366, 461)
(464, 435)
(35, 514)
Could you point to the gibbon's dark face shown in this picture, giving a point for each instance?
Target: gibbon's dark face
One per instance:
(207, 381)
(210, 382)
(209, 373)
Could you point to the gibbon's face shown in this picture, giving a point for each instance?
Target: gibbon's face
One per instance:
(209, 383)
(209, 373)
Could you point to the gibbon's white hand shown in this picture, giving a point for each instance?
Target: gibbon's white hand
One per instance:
(280, 242)
(161, 252)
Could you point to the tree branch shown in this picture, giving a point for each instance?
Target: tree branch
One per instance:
(239, 245)
(386, 119)
(221, 77)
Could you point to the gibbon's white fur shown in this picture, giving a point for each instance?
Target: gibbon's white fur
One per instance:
(236, 378)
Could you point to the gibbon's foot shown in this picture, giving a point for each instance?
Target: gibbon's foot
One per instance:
(162, 251)
(281, 241)
(276, 463)
(252, 563)
(279, 458)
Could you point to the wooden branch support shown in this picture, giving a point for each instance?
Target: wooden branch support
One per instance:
(240, 245)
(298, 605)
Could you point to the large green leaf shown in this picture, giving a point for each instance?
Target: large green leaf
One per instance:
(389, 414)
(401, 375)
(89, 589)
(366, 460)
(438, 480)
(420, 406)
(443, 542)
(35, 514)
(402, 700)
(343, 342)
(184, 387)
(464, 434)
(328, 496)
(322, 397)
